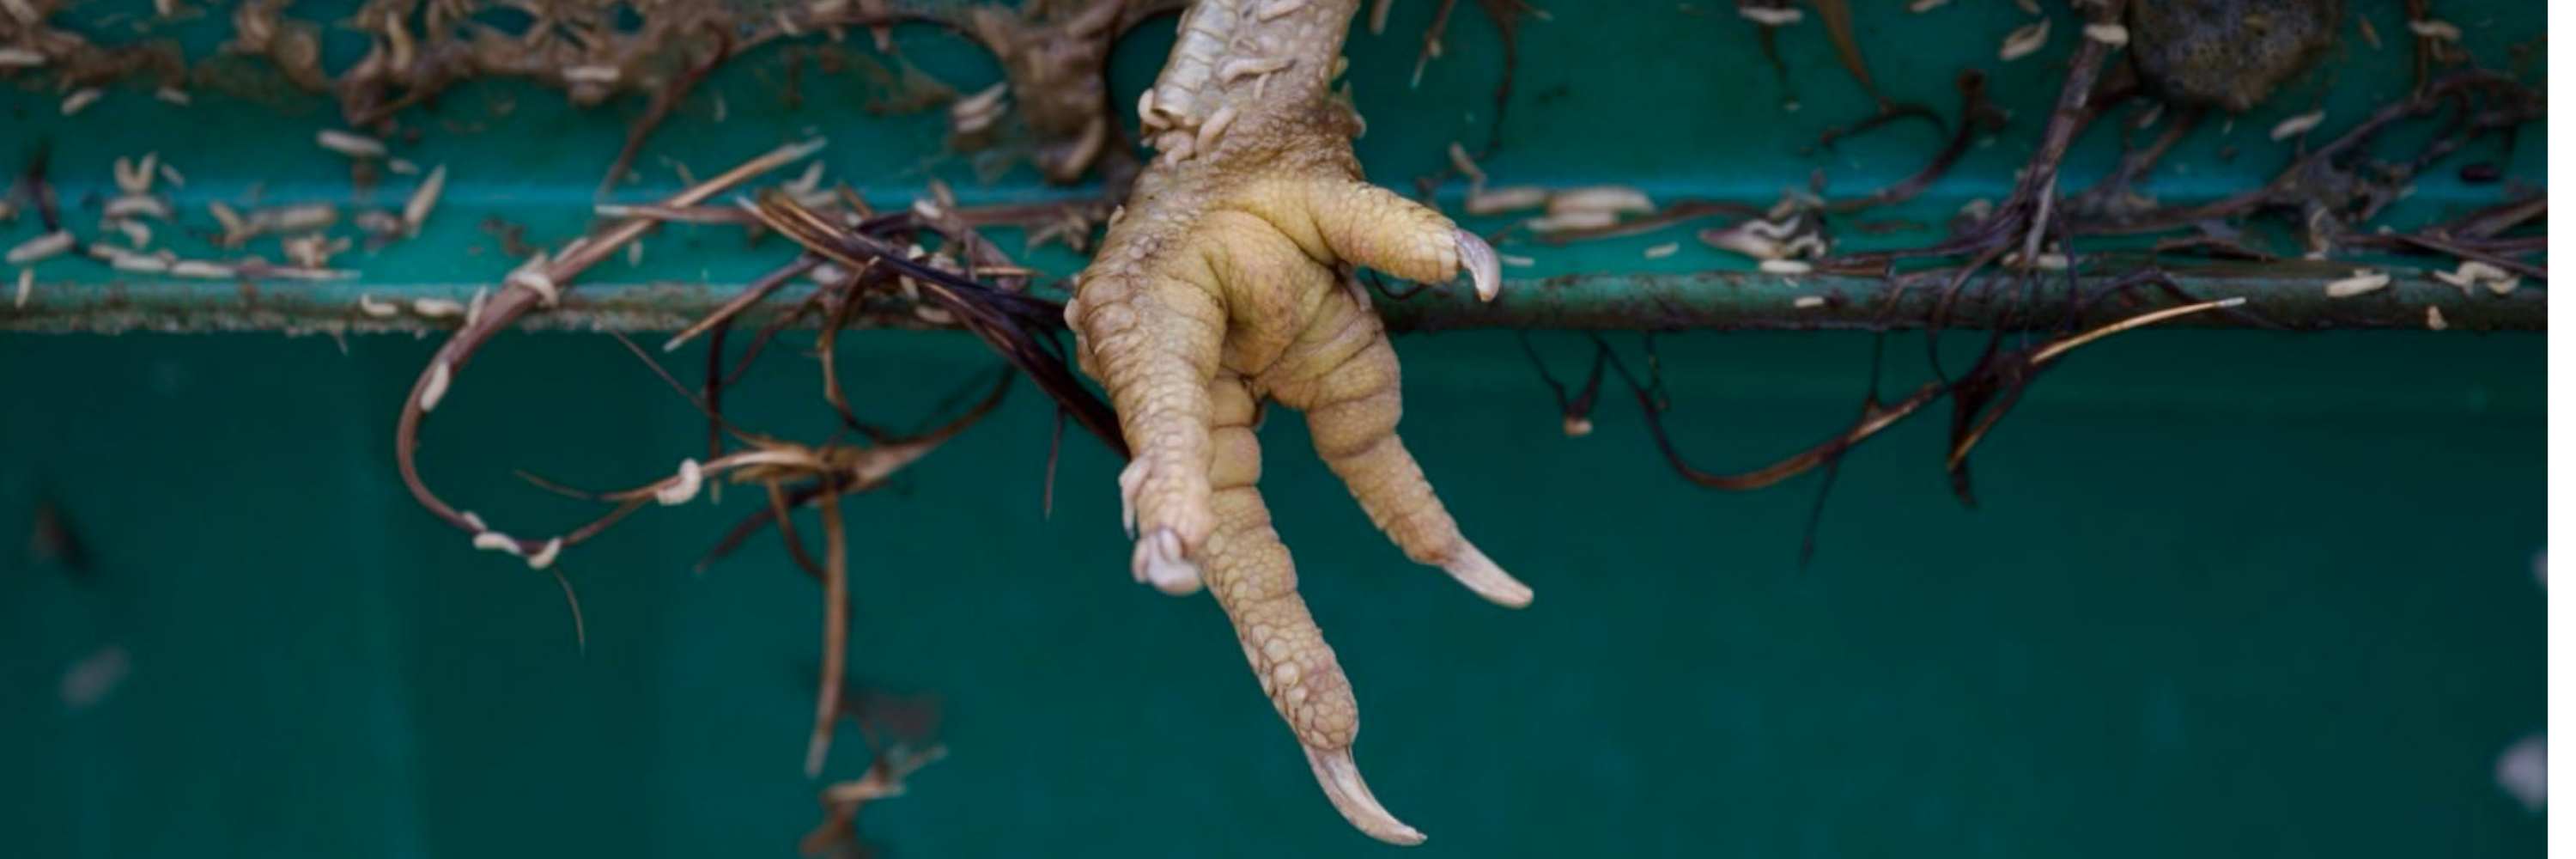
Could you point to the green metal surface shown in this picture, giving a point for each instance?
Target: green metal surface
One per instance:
(2228, 595)
(1723, 300)
(1674, 98)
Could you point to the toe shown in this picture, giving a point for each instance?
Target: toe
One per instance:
(1374, 227)
(1160, 561)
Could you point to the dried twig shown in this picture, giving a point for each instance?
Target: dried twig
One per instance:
(1018, 326)
(450, 359)
(836, 623)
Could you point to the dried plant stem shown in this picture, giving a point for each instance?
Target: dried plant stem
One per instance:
(2059, 348)
(510, 304)
(750, 295)
(836, 626)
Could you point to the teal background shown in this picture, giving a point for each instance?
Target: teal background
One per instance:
(2229, 594)
(1676, 99)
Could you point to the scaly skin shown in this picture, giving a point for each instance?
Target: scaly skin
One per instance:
(1224, 282)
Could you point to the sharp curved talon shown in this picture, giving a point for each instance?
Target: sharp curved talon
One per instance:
(1339, 775)
(1484, 268)
(1160, 561)
(1480, 574)
(1130, 479)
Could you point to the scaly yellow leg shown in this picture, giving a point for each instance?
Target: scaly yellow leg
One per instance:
(1219, 282)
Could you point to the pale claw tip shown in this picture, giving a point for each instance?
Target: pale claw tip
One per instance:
(1480, 574)
(1130, 479)
(1160, 561)
(1339, 775)
(1484, 269)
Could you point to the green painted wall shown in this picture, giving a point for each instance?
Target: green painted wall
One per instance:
(2229, 594)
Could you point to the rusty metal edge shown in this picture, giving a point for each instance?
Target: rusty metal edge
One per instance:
(1698, 301)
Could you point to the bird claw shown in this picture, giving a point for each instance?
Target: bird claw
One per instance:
(1484, 269)
(1480, 574)
(1223, 265)
(1339, 774)
(1130, 479)
(1161, 558)
(1160, 561)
